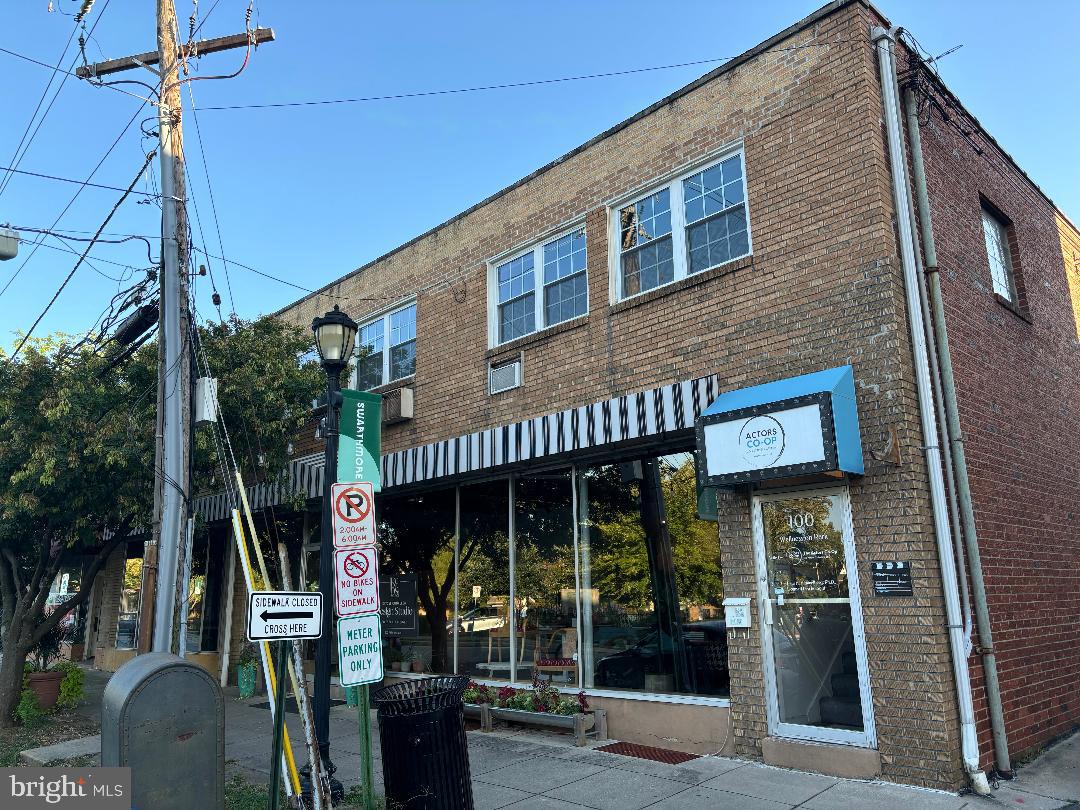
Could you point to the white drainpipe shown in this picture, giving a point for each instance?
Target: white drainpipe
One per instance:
(883, 42)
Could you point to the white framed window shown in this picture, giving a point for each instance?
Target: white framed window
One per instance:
(998, 254)
(697, 221)
(539, 287)
(390, 341)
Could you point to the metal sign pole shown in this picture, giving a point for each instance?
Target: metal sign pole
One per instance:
(279, 727)
(364, 701)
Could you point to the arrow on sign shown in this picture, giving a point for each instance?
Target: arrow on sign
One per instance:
(266, 615)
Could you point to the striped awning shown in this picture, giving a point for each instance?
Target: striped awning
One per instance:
(641, 415)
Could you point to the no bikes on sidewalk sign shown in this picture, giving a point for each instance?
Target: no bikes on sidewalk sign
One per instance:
(356, 585)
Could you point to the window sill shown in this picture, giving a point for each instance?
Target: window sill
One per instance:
(536, 337)
(1012, 307)
(682, 284)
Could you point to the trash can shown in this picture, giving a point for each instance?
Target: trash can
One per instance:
(425, 754)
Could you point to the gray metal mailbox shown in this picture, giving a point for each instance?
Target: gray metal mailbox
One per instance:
(165, 719)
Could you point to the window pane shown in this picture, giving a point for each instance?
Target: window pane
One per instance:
(565, 299)
(417, 535)
(648, 267)
(717, 240)
(545, 595)
(515, 277)
(517, 318)
(196, 594)
(403, 325)
(997, 252)
(564, 256)
(484, 616)
(127, 626)
(369, 371)
(403, 360)
(646, 220)
(371, 335)
(649, 625)
(713, 190)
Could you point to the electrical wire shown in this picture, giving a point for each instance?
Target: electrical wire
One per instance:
(69, 276)
(511, 85)
(83, 183)
(30, 59)
(74, 197)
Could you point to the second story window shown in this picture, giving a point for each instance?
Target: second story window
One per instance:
(390, 345)
(697, 222)
(999, 254)
(544, 286)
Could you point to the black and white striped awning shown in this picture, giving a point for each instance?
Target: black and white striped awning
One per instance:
(645, 414)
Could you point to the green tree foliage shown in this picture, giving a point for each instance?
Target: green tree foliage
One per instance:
(77, 456)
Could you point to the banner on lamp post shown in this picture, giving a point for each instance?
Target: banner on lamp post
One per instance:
(360, 439)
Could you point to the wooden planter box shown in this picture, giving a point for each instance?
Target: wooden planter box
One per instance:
(592, 723)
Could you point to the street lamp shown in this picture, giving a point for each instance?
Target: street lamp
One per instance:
(335, 338)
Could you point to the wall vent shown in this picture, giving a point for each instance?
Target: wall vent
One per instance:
(504, 376)
(397, 406)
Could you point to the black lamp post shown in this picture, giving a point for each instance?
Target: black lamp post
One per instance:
(335, 338)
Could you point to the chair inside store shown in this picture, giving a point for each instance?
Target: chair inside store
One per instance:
(556, 655)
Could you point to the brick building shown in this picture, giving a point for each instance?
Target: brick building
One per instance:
(548, 353)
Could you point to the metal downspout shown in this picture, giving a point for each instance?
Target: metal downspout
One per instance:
(883, 41)
(1002, 760)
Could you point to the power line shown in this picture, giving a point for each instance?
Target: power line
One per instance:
(74, 197)
(17, 157)
(84, 183)
(56, 295)
(253, 270)
(30, 59)
(510, 85)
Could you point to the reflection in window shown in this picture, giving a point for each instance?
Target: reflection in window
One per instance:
(544, 592)
(484, 620)
(998, 253)
(645, 228)
(127, 626)
(417, 535)
(204, 593)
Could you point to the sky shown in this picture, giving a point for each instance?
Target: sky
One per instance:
(307, 194)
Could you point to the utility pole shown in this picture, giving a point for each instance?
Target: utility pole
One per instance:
(173, 449)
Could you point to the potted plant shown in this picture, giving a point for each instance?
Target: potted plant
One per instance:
(416, 661)
(247, 670)
(75, 640)
(395, 657)
(43, 679)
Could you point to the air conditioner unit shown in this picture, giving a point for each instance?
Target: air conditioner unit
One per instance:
(504, 376)
(397, 406)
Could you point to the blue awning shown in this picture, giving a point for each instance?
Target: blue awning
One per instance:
(790, 427)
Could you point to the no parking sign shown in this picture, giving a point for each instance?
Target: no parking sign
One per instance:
(354, 515)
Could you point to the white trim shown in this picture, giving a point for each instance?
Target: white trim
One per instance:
(384, 316)
(680, 253)
(535, 247)
(867, 738)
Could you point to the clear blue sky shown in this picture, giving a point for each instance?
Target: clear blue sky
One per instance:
(310, 193)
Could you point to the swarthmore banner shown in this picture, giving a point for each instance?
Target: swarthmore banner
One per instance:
(63, 788)
(360, 445)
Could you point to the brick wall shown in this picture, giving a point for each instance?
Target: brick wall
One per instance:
(823, 288)
(1018, 380)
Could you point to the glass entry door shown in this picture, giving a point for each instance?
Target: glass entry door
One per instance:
(816, 682)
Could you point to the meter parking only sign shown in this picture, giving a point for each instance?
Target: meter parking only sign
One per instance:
(284, 615)
(356, 578)
(354, 515)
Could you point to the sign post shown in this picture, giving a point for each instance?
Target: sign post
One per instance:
(282, 617)
(356, 564)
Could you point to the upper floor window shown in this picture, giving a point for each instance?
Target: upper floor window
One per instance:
(999, 254)
(694, 223)
(390, 343)
(545, 285)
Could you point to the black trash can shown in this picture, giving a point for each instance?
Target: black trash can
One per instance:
(425, 754)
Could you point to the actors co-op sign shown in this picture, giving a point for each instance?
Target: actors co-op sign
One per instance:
(354, 515)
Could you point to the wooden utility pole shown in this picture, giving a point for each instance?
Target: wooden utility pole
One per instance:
(161, 559)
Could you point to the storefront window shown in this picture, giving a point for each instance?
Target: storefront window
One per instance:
(484, 615)
(626, 594)
(417, 535)
(127, 626)
(204, 593)
(545, 597)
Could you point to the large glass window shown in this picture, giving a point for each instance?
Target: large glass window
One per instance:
(388, 345)
(998, 253)
(692, 224)
(522, 305)
(417, 536)
(204, 593)
(127, 625)
(626, 593)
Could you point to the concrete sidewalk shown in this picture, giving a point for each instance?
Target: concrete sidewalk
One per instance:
(524, 770)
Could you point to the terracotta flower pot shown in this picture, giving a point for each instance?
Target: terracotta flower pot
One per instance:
(46, 688)
(395, 666)
(417, 666)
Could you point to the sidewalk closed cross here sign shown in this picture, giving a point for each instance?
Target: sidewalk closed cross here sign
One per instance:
(284, 615)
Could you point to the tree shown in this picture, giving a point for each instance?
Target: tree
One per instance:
(77, 455)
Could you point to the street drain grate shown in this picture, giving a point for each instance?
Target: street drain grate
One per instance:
(648, 752)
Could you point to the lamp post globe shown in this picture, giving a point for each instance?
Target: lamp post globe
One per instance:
(335, 339)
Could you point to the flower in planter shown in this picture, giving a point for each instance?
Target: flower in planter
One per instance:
(583, 702)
